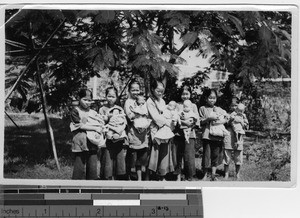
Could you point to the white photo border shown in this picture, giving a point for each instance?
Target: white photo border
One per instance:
(292, 7)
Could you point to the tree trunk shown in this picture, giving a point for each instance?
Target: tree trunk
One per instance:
(12, 120)
(147, 83)
(47, 120)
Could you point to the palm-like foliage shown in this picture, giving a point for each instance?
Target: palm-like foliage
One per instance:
(255, 46)
(11, 75)
(144, 43)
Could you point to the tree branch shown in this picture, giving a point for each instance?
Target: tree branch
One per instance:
(126, 85)
(177, 53)
(31, 61)
(181, 49)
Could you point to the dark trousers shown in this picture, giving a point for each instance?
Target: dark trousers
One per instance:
(114, 159)
(137, 157)
(85, 165)
(186, 151)
(212, 153)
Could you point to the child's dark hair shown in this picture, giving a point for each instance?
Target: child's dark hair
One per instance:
(133, 81)
(116, 92)
(153, 85)
(206, 93)
(111, 88)
(84, 92)
(186, 88)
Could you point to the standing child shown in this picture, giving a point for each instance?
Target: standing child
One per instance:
(212, 145)
(234, 142)
(161, 157)
(186, 149)
(137, 153)
(114, 154)
(83, 121)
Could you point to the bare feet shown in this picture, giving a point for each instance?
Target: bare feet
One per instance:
(205, 178)
(214, 178)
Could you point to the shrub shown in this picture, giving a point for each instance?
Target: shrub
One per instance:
(270, 153)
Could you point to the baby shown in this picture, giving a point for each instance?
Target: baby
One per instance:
(141, 121)
(217, 127)
(164, 134)
(239, 122)
(187, 114)
(116, 125)
(93, 136)
(171, 114)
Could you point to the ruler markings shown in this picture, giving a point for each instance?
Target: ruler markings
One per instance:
(99, 190)
(73, 210)
(115, 211)
(166, 209)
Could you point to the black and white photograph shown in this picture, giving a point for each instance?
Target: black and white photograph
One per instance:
(187, 95)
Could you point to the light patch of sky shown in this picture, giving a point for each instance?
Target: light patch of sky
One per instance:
(194, 62)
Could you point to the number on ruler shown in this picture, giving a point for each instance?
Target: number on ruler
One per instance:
(153, 211)
(98, 211)
(165, 208)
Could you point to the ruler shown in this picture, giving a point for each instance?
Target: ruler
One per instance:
(97, 202)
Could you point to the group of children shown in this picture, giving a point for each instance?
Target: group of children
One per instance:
(152, 136)
(222, 144)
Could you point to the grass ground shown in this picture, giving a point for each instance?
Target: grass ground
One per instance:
(27, 154)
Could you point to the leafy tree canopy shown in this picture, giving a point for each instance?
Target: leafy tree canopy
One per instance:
(249, 44)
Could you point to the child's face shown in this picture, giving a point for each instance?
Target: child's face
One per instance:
(140, 100)
(159, 91)
(186, 95)
(212, 99)
(111, 97)
(134, 90)
(85, 102)
(239, 111)
(172, 107)
(115, 112)
(233, 106)
(186, 107)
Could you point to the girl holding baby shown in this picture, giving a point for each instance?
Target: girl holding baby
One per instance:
(186, 148)
(162, 160)
(212, 143)
(137, 153)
